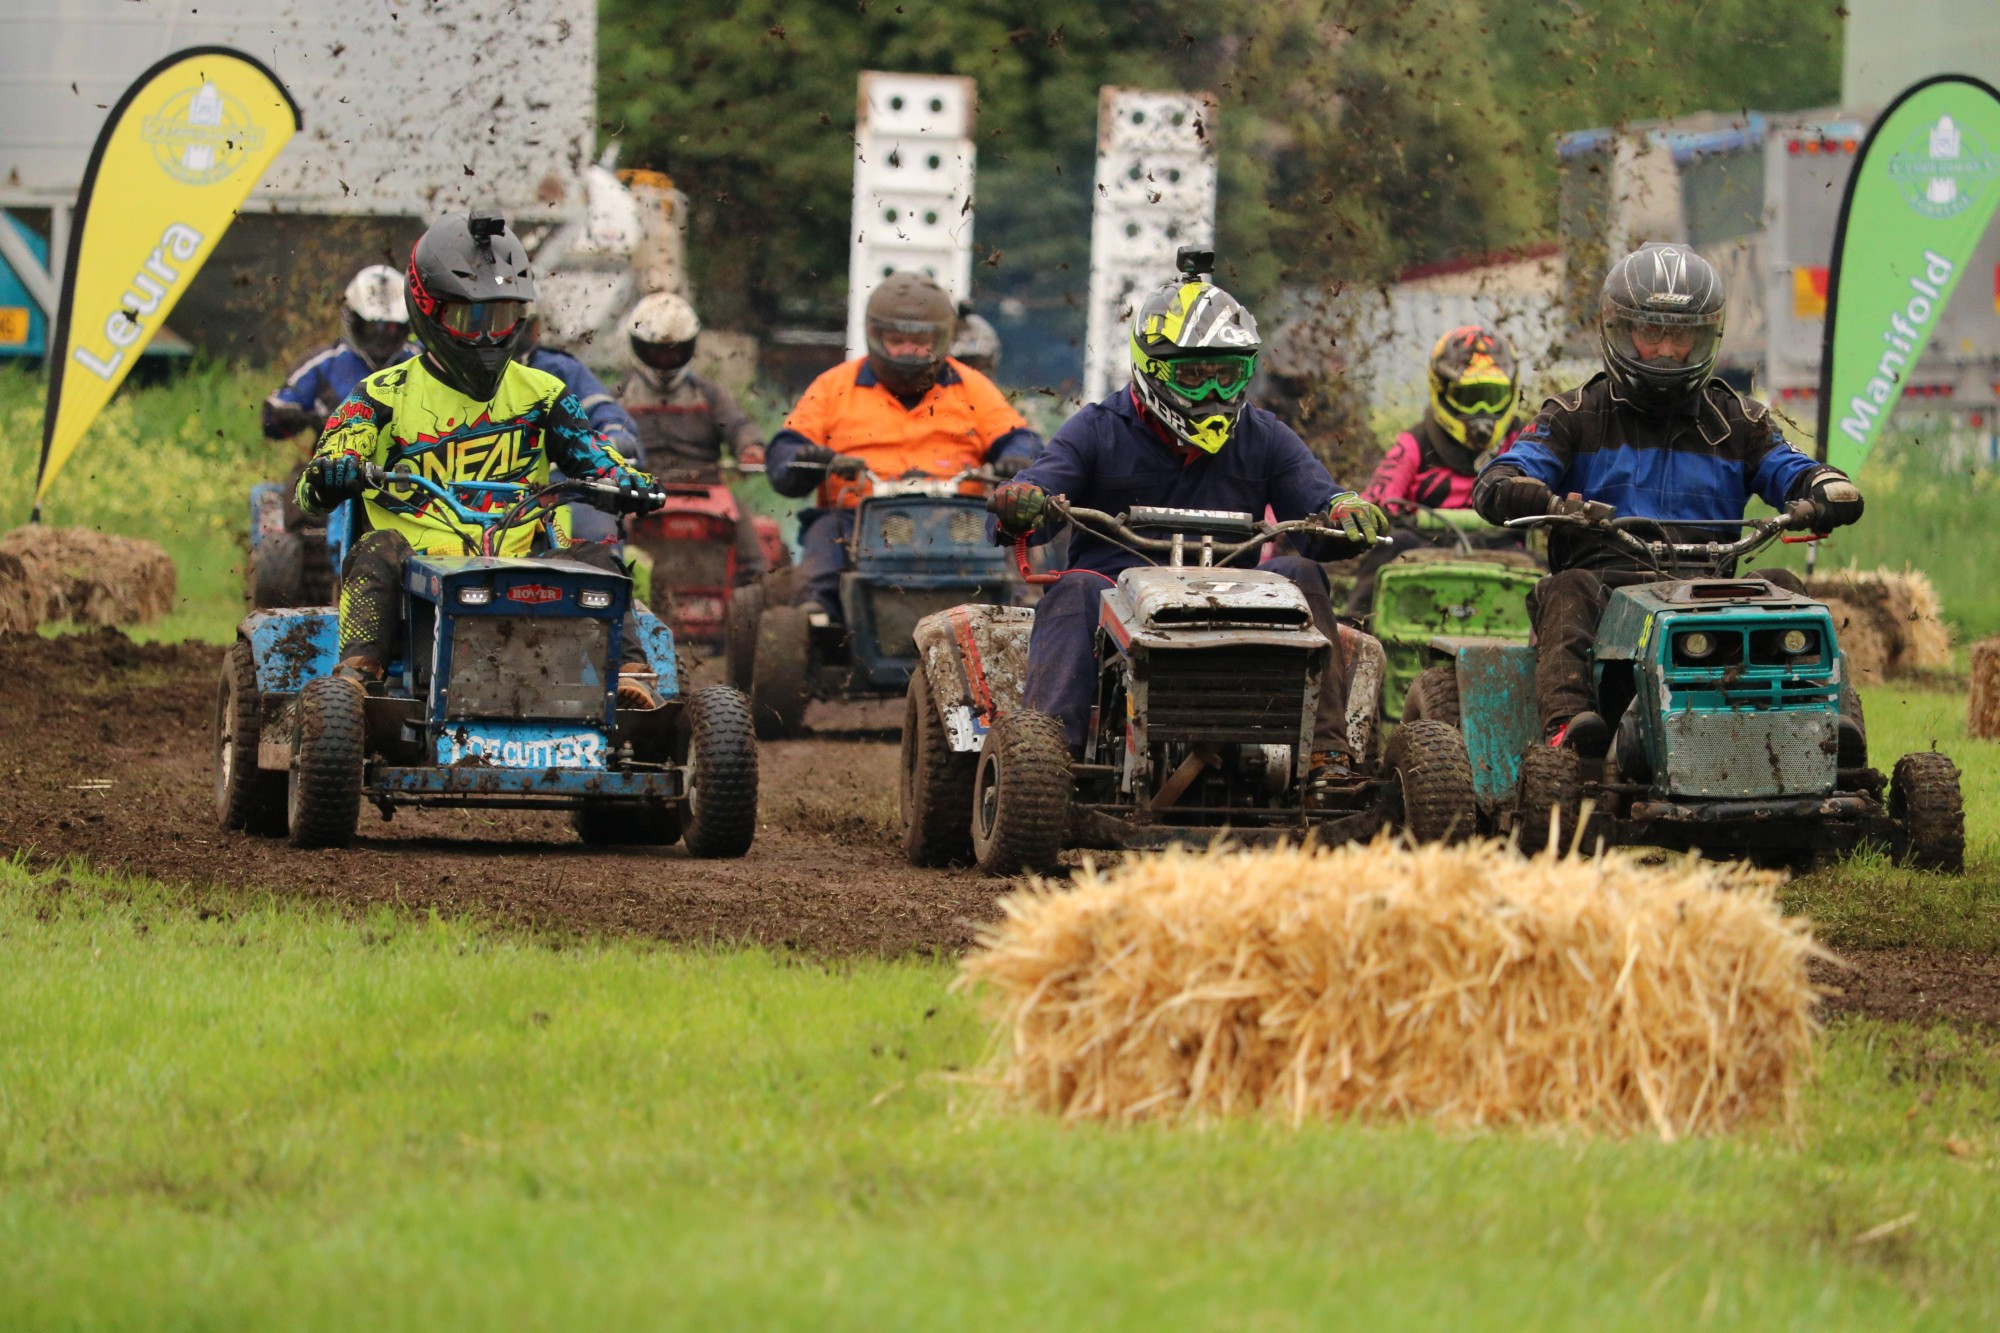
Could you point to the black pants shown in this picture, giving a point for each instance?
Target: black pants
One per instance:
(371, 603)
(1564, 609)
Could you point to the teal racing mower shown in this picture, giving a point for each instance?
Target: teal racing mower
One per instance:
(506, 696)
(1738, 732)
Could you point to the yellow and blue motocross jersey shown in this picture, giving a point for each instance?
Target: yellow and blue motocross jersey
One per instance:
(402, 416)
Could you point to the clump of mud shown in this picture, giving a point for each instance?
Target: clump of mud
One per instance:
(76, 574)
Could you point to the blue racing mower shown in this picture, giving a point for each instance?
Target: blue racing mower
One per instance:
(506, 696)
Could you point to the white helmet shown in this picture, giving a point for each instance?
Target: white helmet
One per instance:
(662, 329)
(977, 344)
(374, 318)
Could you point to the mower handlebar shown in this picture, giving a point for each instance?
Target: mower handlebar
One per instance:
(1798, 516)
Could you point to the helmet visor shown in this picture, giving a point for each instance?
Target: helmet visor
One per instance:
(906, 341)
(476, 321)
(1665, 343)
(1224, 377)
(1480, 397)
(378, 338)
(663, 356)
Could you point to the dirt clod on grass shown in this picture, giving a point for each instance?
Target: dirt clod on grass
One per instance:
(91, 578)
(1465, 984)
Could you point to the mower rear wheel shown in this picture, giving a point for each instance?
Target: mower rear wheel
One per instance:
(1434, 778)
(1020, 795)
(246, 797)
(721, 817)
(1551, 802)
(323, 792)
(1433, 696)
(278, 572)
(936, 787)
(781, 679)
(1929, 810)
(739, 638)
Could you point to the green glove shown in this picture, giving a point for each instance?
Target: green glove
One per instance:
(1021, 507)
(1360, 521)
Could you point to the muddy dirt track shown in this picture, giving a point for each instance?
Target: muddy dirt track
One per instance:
(105, 748)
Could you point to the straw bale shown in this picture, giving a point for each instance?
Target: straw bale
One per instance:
(20, 602)
(1465, 984)
(1983, 694)
(93, 578)
(1891, 622)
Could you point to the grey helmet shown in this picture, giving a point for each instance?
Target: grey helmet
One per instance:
(977, 344)
(1660, 325)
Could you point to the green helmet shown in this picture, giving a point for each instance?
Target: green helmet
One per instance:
(1194, 349)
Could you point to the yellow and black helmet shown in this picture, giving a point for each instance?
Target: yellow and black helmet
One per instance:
(1194, 349)
(1475, 387)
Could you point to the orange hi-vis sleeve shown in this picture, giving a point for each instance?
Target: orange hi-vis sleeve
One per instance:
(949, 430)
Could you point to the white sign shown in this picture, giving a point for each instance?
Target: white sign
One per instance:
(913, 169)
(583, 749)
(1155, 193)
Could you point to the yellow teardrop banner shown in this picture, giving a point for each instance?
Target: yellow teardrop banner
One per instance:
(177, 157)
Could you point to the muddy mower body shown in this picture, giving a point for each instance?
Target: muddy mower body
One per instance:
(1461, 590)
(1737, 731)
(919, 546)
(291, 562)
(1208, 689)
(507, 696)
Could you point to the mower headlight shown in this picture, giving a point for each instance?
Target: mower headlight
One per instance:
(475, 596)
(1697, 645)
(1796, 642)
(594, 599)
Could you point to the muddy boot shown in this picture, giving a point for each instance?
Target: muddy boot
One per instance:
(363, 671)
(635, 686)
(1587, 733)
(1330, 769)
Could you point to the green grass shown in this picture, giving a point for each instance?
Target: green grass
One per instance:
(172, 462)
(1866, 903)
(218, 1111)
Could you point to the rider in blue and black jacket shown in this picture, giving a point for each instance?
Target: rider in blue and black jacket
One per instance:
(1656, 436)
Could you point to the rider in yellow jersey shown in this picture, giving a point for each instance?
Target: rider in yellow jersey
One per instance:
(463, 411)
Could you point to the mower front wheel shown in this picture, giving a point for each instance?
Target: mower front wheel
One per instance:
(1550, 802)
(781, 679)
(1433, 696)
(721, 817)
(323, 793)
(739, 641)
(1929, 810)
(278, 572)
(1020, 795)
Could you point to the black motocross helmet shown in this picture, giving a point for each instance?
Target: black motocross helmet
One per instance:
(471, 299)
(1660, 323)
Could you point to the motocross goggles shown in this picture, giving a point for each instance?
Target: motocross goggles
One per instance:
(481, 321)
(1648, 340)
(1199, 377)
(1479, 397)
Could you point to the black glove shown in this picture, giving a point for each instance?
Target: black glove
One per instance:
(332, 478)
(846, 465)
(637, 494)
(1013, 465)
(1021, 507)
(813, 455)
(1836, 502)
(286, 419)
(1521, 497)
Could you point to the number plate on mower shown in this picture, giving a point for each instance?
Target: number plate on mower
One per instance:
(521, 748)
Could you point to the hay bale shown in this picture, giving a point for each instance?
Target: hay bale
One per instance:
(1983, 691)
(1895, 617)
(20, 600)
(92, 578)
(1464, 984)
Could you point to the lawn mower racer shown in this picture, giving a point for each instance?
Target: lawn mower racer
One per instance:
(686, 421)
(465, 411)
(288, 557)
(1653, 436)
(1183, 435)
(902, 408)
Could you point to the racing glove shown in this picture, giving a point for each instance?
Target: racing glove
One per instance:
(637, 494)
(332, 478)
(1521, 497)
(286, 419)
(1021, 507)
(1360, 521)
(1836, 502)
(1013, 465)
